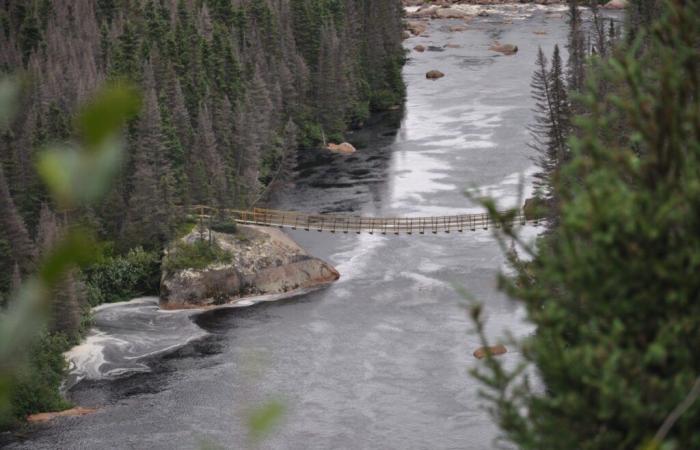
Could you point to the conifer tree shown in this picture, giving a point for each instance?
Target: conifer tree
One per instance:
(47, 230)
(551, 128)
(577, 48)
(149, 214)
(212, 188)
(13, 229)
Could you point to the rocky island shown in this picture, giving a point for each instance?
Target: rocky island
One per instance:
(207, 268)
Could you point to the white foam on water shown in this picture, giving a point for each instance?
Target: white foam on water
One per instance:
(355, 259)
(127, 334)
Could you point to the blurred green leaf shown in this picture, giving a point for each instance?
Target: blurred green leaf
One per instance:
(77, 178)
(263, 419)
(77, 249)
(107, 113)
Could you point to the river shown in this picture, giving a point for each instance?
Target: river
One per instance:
(381, 359)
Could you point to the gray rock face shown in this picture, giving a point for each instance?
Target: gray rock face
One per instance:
(264, 261)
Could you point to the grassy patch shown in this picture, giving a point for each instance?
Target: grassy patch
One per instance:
(197, 255)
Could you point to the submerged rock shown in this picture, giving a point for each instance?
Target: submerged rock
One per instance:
(419, 48)
(506, 49)
(481, 352)
(434, 75)
(416, 27)
(261, 261)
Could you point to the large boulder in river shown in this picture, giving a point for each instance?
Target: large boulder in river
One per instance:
(447, 12)
(416, 27)
(255, 261)
(434, 75)
(344, 148)
(506, 49)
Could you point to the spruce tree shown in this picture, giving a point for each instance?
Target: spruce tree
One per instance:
(149, 214)
(577, 48)
(14, 231)
(552, 125)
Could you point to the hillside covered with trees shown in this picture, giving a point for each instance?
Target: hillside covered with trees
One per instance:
(231, 90)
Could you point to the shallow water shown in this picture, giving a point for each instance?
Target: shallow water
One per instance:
(381, 358)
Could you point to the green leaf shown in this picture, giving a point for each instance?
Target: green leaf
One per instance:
(77, 249)
(75, 177)
(263, 419)
(107, 112)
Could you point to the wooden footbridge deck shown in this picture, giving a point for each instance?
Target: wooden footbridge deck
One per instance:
(333, 223)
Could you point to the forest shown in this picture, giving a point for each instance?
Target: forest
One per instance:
(232, 92)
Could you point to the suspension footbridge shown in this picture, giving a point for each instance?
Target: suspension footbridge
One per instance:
(341, 223)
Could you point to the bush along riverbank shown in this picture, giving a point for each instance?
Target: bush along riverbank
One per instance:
(113, 278)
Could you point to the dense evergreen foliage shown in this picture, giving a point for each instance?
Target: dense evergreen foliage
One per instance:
(613, 288)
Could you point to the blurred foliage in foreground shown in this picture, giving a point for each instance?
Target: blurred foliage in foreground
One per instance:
(31, 360)
(614, 289)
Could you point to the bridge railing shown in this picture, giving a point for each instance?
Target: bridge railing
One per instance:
(337, 223)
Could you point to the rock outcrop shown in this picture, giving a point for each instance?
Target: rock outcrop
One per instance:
(263, 261)
(47, 416)
(434, 75)
(345, 148)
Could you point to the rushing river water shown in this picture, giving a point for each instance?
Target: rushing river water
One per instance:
(380, 359)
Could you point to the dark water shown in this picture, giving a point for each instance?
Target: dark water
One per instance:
(379, 360)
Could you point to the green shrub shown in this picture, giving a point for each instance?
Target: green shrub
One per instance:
(227, 227)
(359, 113)
(197, 255)
(120, 278)
(384, 99)
(310, 135)
(36, 385)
